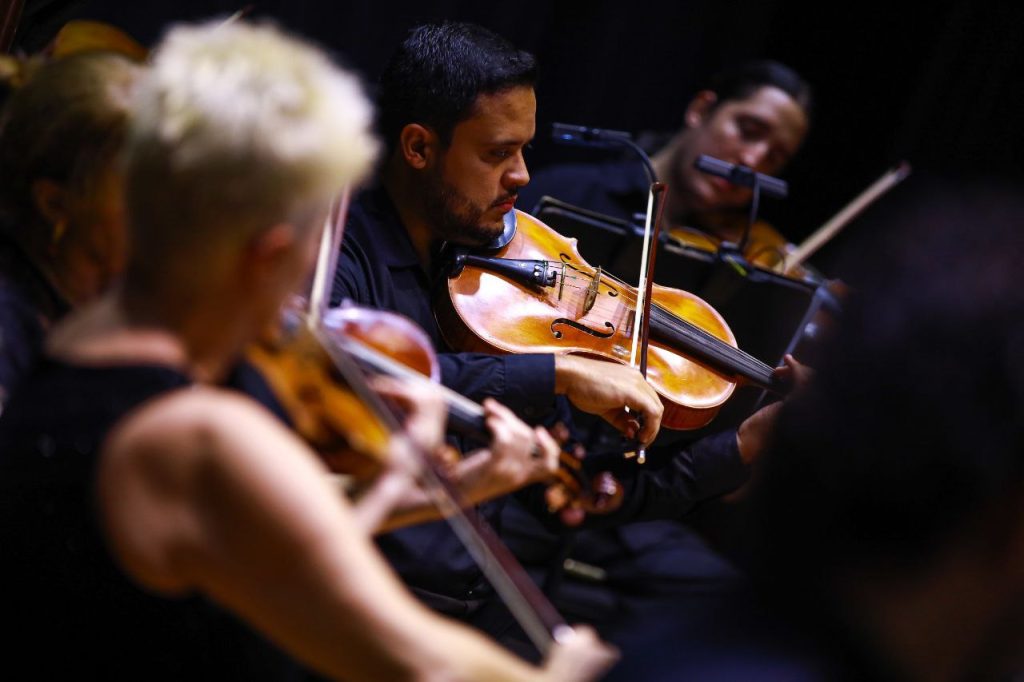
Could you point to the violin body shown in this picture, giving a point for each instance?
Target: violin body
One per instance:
(390, 334)
(578, 310)
(766, 248)
(324, 410)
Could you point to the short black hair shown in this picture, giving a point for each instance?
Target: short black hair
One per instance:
(912, 434)
(742, 80)
(439, 71)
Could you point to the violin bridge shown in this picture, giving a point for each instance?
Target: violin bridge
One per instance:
(592, 291)
(561, 283)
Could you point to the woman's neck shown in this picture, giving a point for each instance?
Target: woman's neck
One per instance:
(124, 329)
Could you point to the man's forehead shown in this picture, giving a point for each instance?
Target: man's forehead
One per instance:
(775, 108)
(508, 115)
(773, 103)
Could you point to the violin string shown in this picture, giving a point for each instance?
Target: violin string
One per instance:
(388, 366)
(459, 406)
(725, 352)
(716, 346)
(684, 326)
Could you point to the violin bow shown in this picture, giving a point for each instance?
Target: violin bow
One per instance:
(10, 17)
(327, 257)
(237, 15)
(833, 226)
(642, 319)
(528, 604)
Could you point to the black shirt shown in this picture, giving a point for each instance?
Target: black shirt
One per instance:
(28, 306)
(73, 612)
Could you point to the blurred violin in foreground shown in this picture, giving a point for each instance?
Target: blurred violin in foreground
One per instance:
(302, 367)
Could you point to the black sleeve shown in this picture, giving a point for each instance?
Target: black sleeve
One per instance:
(708, 468)
(524, 383)
(668, 486)
(21, 339)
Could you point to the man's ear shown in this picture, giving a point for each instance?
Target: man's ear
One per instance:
(418, 145)
(700, 106)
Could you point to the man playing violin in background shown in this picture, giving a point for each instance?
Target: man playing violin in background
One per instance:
(456, 109)
(756, 114)
(155, 524)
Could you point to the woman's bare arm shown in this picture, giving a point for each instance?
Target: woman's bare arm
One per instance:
(201, 490)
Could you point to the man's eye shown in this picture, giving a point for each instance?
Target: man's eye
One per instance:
(750, 129)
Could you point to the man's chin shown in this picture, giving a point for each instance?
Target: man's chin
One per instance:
(720, 199)
(479, 235)
(491, 227)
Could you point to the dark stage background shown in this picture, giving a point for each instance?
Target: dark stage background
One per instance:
(939, 86)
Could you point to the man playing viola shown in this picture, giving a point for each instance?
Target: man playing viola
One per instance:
(456, 109)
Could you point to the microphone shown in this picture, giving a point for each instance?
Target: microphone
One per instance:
(742, 175)
(588, 137)
(601, 138)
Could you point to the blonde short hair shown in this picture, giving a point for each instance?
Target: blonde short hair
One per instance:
(238, 127)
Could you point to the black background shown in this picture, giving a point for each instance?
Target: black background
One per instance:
(939, 85)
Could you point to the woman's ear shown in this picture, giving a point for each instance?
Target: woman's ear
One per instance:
(265, 253)
(50, 199)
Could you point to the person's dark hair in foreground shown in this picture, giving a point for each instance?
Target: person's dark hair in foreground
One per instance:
(887, 520)
(895, 489)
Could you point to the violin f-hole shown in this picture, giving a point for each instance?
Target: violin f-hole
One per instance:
(583, 328)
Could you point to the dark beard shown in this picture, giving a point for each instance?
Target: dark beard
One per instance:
(453, 217)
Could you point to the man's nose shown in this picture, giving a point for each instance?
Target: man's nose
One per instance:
(754, 155)
(517, 174)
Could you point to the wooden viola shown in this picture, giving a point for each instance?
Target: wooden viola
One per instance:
(321, 405)
(535, 294)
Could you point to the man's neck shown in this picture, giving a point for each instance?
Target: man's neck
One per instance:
(407, 196)
(677, 210)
